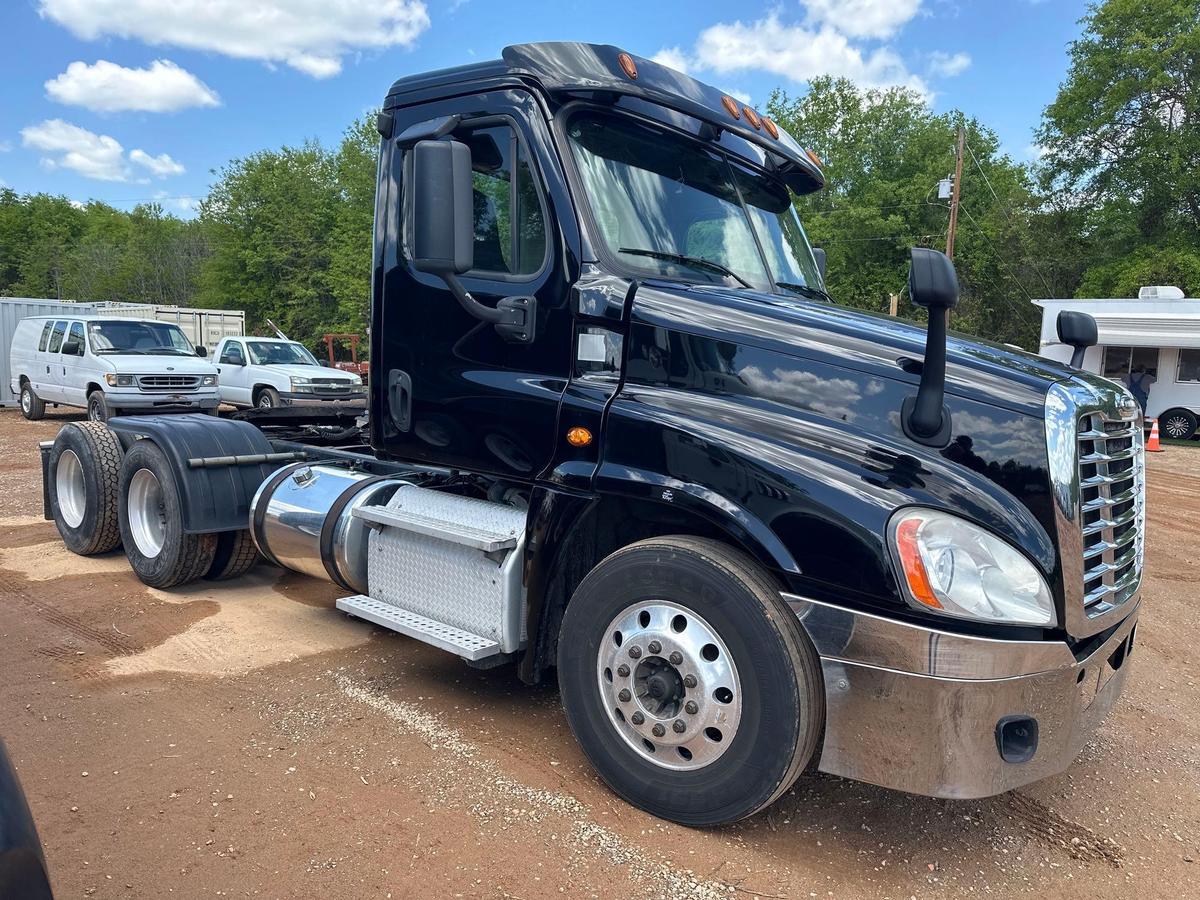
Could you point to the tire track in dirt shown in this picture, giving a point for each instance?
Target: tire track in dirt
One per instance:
(1057, 831)
(16, 588)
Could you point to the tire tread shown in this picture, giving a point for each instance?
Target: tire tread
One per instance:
(106, 451)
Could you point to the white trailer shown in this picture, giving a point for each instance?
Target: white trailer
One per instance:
(1158, 333)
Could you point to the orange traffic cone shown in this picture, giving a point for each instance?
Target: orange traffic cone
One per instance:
(1152, 444)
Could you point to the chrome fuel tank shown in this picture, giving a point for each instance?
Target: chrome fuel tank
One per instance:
(302, 519)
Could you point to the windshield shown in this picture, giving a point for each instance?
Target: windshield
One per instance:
(672, 206)
(274, 353)
(119, 336)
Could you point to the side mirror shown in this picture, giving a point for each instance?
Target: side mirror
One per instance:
(201, 350)
(72, 348)
(933, 284)
(439, 211)
(819, 256)
(1078, 330)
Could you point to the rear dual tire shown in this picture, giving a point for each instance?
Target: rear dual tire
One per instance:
(85, 464)
(752, 712)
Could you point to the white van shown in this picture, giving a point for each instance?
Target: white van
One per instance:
(269, 372)
(109, 366)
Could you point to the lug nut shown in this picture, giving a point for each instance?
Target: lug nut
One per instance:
(637, 718)
(655, 647)
(635, 652)
(658, 730)
(676, 658)
(679, 726)
(623, 670)
(625, 696)
(689, 681)
(692, 707)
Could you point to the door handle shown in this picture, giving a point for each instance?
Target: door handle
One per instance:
(400, 398)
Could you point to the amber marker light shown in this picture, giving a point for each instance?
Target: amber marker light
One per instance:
(752, 117)
(578, 436)
(772, 129)
(628, 66)
(731, 107)
(816, 160)
(913, 565)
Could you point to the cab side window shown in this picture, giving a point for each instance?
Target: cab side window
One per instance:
(56, 336)
(510, 230)
(76, 335)
(46, 329)
(232, 354)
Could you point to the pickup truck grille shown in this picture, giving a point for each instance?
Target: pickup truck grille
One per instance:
(1112, 510)
(173, 383)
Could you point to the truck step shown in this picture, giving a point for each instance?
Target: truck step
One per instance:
(483, 526)
(446, 637)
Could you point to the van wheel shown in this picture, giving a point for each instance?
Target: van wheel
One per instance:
(151, 519)
(268, 398)
(33, 407)
(85, 462)
(235, 555)
(97, 407)
(688, 682)
(1178, 424)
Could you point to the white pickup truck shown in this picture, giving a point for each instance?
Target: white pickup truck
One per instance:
(270, 372)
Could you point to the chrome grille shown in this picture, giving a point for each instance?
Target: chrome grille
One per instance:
(1111, 474)
(168, 382)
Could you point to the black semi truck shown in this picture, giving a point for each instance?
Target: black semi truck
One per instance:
(619, 434)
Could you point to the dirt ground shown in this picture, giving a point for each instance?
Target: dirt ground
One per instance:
(252, 741)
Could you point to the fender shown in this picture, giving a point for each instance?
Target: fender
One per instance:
(213, 498)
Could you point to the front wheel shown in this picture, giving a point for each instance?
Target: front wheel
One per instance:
(688, 682)
(97, 407)
(268, 398)
(1178, 424)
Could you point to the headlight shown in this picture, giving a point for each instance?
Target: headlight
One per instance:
(119, 380)
(958, 569)
(209, 381)
(296, 381)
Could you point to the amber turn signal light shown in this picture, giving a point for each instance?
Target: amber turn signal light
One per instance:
(578, 436)
(913, 566)
(628, 66)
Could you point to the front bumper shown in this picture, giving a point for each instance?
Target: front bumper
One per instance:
(161, 402)
(917, 709)
(293, 398)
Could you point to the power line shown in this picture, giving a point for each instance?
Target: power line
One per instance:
(1000, 260)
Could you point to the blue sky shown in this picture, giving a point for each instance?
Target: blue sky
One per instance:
(131, 100)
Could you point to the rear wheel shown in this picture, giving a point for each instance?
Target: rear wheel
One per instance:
(151, 519)
(97, 407)
(85, 462)
(688, 682)
(33, 407)
(235, 555)
(1178, 424)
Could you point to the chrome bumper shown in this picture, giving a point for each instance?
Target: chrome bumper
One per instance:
(916, 709)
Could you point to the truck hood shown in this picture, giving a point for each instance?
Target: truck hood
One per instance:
(880, 344)
(321, 372)
(158, 364)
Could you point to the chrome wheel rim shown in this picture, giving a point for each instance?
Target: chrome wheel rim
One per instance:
(147, 518)
(264, 402)
(1176, 426)
(669, 685)
(72, 492)
(26, 400)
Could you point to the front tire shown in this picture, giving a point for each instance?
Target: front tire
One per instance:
(1178, 424)
(85, 463)
(689, 684)
(268, 398)
(97, 407)
(151, 518)
(33, 407)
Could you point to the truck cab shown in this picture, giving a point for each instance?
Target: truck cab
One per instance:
(620, 434)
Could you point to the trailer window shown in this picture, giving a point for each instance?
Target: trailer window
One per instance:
(46, 329)
(1189, 365)
(56, 336)
(1120, 361)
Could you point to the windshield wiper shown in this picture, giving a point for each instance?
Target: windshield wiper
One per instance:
(698, 262)
(120, 350)
(805, 290)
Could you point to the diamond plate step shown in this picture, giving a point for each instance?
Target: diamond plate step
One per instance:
(447, 637)
(459, 520)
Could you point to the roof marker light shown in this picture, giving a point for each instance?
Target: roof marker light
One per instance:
(771, 127)
(628, 66)
(816, 160)
(752, 118)
(731, 107)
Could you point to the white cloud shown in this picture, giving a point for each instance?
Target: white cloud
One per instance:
(311, 36)
(161, 166)
(673, 58)
(862, 18)
(947, 65)
(99, 156)
(70, 147)
(108, 87)
(799, 53)
(5, 146)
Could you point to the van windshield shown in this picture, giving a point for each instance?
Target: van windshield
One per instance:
(152, 338)
(273, 353)
(676, 208)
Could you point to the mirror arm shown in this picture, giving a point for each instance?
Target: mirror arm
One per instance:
(927, 417)
(513, 317)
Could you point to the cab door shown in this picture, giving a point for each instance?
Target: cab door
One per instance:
(233, 374)
(73, 364)
(450, 389)
(49, 367)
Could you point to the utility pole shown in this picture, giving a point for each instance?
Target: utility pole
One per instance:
(955, 193)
